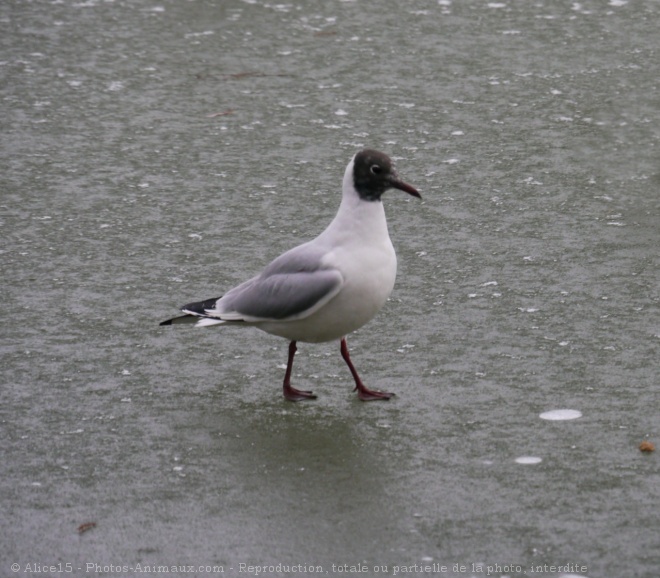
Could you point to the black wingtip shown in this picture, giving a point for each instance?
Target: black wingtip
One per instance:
(200, 307)
(193, 311)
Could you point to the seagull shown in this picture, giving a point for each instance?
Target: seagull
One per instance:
(326, 288)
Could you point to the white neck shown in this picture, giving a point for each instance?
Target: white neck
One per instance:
(357, 216)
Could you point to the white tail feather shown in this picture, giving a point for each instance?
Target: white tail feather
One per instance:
(206, 322)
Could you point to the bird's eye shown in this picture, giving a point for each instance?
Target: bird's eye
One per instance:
(376, 169)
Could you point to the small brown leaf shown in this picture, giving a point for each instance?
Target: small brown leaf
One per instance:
(86, 527)
(239, 75)
(647, 447)
(223, 113)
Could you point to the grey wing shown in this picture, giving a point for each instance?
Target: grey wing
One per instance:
(293, 286)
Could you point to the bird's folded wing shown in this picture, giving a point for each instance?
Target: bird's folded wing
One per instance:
(279, 296)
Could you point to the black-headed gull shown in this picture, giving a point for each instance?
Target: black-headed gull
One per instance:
(326, 288)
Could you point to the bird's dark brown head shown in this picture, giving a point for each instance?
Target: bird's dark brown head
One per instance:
(373, 174)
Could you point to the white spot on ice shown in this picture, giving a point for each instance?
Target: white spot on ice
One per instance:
(560, 414)
(196, 34)
(405, 346)
(528, 460)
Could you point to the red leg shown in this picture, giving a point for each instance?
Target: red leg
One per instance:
(291, 393)
(364, 393)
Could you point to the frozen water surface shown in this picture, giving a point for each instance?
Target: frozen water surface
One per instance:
(157, 153)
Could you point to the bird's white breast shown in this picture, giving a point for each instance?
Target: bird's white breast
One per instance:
(359, 247)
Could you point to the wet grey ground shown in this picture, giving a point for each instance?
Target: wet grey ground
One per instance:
(157, 153)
